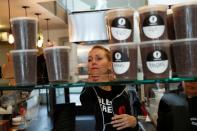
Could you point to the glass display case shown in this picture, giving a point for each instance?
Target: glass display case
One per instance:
(147, 85)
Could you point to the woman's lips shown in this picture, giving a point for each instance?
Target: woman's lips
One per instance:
(94, 68)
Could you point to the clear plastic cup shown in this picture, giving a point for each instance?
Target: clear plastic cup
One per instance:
(153, 22)
(25, 66)
(57, 61)
(170, 24)
(184, 52)
(120, 25)
(24, 30)
(124, 57)
(156, 59)
(185, 20)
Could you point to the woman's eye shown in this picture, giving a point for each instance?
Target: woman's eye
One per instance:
(89, 60)
(99, 58)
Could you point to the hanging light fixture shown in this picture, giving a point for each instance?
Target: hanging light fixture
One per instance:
(25, 8)
(48, 40)
(40, 36)
(10, 36)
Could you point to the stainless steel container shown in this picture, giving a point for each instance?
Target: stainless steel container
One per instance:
(87, 26)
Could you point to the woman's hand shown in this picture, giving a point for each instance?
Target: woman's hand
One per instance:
(191, 88)
(123, 121)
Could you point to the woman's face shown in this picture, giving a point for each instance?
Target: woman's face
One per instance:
(98, 64)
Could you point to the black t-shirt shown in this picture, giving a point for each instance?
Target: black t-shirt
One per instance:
(193, 113)
(104, 104)
(105, 101)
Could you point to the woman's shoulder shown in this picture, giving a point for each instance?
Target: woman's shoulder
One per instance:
(87, 89)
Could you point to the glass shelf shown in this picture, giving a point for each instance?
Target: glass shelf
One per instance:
(90, 84)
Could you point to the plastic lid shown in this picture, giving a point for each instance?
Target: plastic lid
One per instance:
(149, 8)
(184, 4)
(23, 18)
(155, 42)
(27, 50)
(185, 40)
(130, 44)
(120, 11)
(56, 47)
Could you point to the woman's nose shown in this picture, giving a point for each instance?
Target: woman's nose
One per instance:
(94, 61)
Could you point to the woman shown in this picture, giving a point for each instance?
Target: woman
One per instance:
(110, 104)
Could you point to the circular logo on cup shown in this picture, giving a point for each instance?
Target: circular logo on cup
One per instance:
(121, 62)
(122, 21)
(117, 55)
(121, 28)
(153, 19)
(153, 26)
(157, 61)
(157, 54)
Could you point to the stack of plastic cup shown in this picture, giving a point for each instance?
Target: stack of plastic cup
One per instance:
(155, 46)
(184, 48)
(24, 55)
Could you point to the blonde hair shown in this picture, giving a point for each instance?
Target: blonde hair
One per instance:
(107, 52)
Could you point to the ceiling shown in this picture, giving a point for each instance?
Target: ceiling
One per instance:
(117, 3)
(45, 7)
(51, 9)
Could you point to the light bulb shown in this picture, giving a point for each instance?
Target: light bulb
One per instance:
(11, 39)
(40, 42)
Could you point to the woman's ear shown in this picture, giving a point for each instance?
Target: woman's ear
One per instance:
(109, 67)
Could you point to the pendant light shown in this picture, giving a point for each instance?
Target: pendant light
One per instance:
(10, 36)
(40, 36)
(25, 8)
(48, 40)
